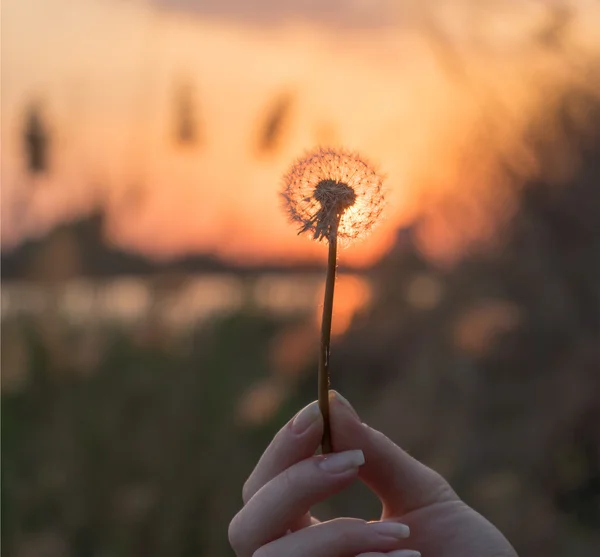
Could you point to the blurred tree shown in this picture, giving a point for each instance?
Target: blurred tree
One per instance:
(186, 120)
(276, 121)
(36, 141)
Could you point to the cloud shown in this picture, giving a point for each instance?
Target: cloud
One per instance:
(338, 13)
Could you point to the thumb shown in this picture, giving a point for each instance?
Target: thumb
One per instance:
(402, 483)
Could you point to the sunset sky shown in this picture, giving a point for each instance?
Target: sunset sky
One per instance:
(408, 84)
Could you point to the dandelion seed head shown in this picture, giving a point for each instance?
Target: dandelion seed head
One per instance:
(331, 185)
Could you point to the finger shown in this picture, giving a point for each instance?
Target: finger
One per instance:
(296, 441)
(278, 505)
(340, 537)
(402, 483)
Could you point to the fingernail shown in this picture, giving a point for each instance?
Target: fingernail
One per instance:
(404, 553)
(306, 417)
(391, 529)
(336, 463)
(344, 401)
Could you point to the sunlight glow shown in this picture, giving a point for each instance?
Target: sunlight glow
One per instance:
(203, 176)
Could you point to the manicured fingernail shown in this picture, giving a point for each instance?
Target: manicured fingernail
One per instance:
(391, 529)
(306, 417)
(344, 401)
(404, 553)
(336, 463)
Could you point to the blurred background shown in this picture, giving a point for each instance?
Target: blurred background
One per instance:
(160, 316)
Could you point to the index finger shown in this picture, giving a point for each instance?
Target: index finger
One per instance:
(295, 441)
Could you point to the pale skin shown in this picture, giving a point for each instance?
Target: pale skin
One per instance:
(421, 512)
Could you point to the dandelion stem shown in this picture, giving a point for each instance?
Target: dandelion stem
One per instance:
(326, 338)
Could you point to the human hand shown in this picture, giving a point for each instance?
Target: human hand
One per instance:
(275, 520)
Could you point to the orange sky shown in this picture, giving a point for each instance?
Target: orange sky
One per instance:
(410, 95)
